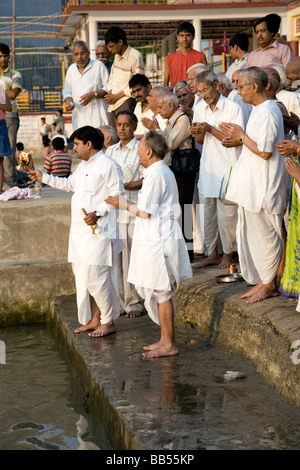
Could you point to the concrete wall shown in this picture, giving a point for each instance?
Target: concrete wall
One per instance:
(33, 258)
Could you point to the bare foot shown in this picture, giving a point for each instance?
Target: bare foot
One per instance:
(263, 293)
(251, 291)
(162, 351)
(104, 330)
(153, 346)
(91, 325)
(209, 261)
(134, 314)
(225, 261)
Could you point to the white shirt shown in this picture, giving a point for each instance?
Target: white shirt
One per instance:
(291, 100)
(256, 183)
(160, 234)
(140, 130)
(236, 65)
(245, 107)
(92, 182)
(128, 160)
(216, 160)
(94, 78)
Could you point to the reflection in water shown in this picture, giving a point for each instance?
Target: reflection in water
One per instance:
(41, 406)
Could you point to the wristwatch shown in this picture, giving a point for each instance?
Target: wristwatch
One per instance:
(96, 94)
(241, 140)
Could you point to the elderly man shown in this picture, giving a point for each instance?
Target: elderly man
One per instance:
(234, 96)
(140, 87)
(192, 72)
(85, 86)
(185, 97)
(94, 239)
(216, 161)
(258, 185)
(156, 121)
(157, 236)
(110, 136)
(103, 54)
(125, 153)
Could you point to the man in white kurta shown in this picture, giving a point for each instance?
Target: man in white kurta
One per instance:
(159, 258)
(258, 185)
(93, 255)
(216, 161)
(125, 154)
(86, 84)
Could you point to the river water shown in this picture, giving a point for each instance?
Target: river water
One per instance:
(42, 407)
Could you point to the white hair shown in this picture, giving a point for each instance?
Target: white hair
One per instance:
(199, 68)
(224, 80)
(281, 71)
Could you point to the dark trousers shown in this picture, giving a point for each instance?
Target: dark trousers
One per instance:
(186, 185)
(128, 105)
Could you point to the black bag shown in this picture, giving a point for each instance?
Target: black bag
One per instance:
(186, 160)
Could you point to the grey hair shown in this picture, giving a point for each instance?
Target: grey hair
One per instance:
(224, 80)
(273, 78)
(206, 77)
(111, 131)
(81, 44)
(281, 70)
(157, 143)
(101, 43)
(199, 68)
(169, 97)
(180, 85)
(256, 75)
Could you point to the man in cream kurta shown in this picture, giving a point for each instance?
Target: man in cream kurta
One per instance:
(93, 255)
(216, 161)
(258, 185)
(159, 258)
(86, 84)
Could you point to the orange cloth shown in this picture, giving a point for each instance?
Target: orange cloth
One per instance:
(179, 63)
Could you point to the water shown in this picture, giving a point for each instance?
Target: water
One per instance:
(42, 407)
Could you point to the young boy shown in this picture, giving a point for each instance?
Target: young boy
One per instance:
(5, 149)
(178, 62)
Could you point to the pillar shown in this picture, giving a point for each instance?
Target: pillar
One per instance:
(198, 34)
(93, 37)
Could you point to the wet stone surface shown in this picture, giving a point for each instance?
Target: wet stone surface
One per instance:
(183, 402)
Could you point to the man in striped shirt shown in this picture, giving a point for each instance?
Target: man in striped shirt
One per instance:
(127, 62)
(59, 162)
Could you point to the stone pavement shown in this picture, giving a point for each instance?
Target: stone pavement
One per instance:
(172, 403)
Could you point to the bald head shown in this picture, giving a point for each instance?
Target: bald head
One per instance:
(293, 73)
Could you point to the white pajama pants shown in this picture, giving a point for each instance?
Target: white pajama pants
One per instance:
(259, 238)
(101, 282)
(154, 297)
(219, 219)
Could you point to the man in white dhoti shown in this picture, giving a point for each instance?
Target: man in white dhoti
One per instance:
(159, 258)
(85, 86)
(94, 242)
(216, 161)
(125, 153)
(258, 185)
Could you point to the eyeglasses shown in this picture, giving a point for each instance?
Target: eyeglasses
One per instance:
(240, 87)
(200, 92)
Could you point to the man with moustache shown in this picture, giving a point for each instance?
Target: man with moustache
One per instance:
(86, 84)
(140, 87)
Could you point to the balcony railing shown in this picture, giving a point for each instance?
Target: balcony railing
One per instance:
(69, 3)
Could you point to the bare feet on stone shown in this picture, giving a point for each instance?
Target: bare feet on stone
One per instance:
(134, 314)
(252, 291)
(103, 330)
(91, 325)
(225, 261)
(211, 260)
(261, 294)
(161, 351)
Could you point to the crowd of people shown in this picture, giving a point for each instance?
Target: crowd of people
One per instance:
(149, 207)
